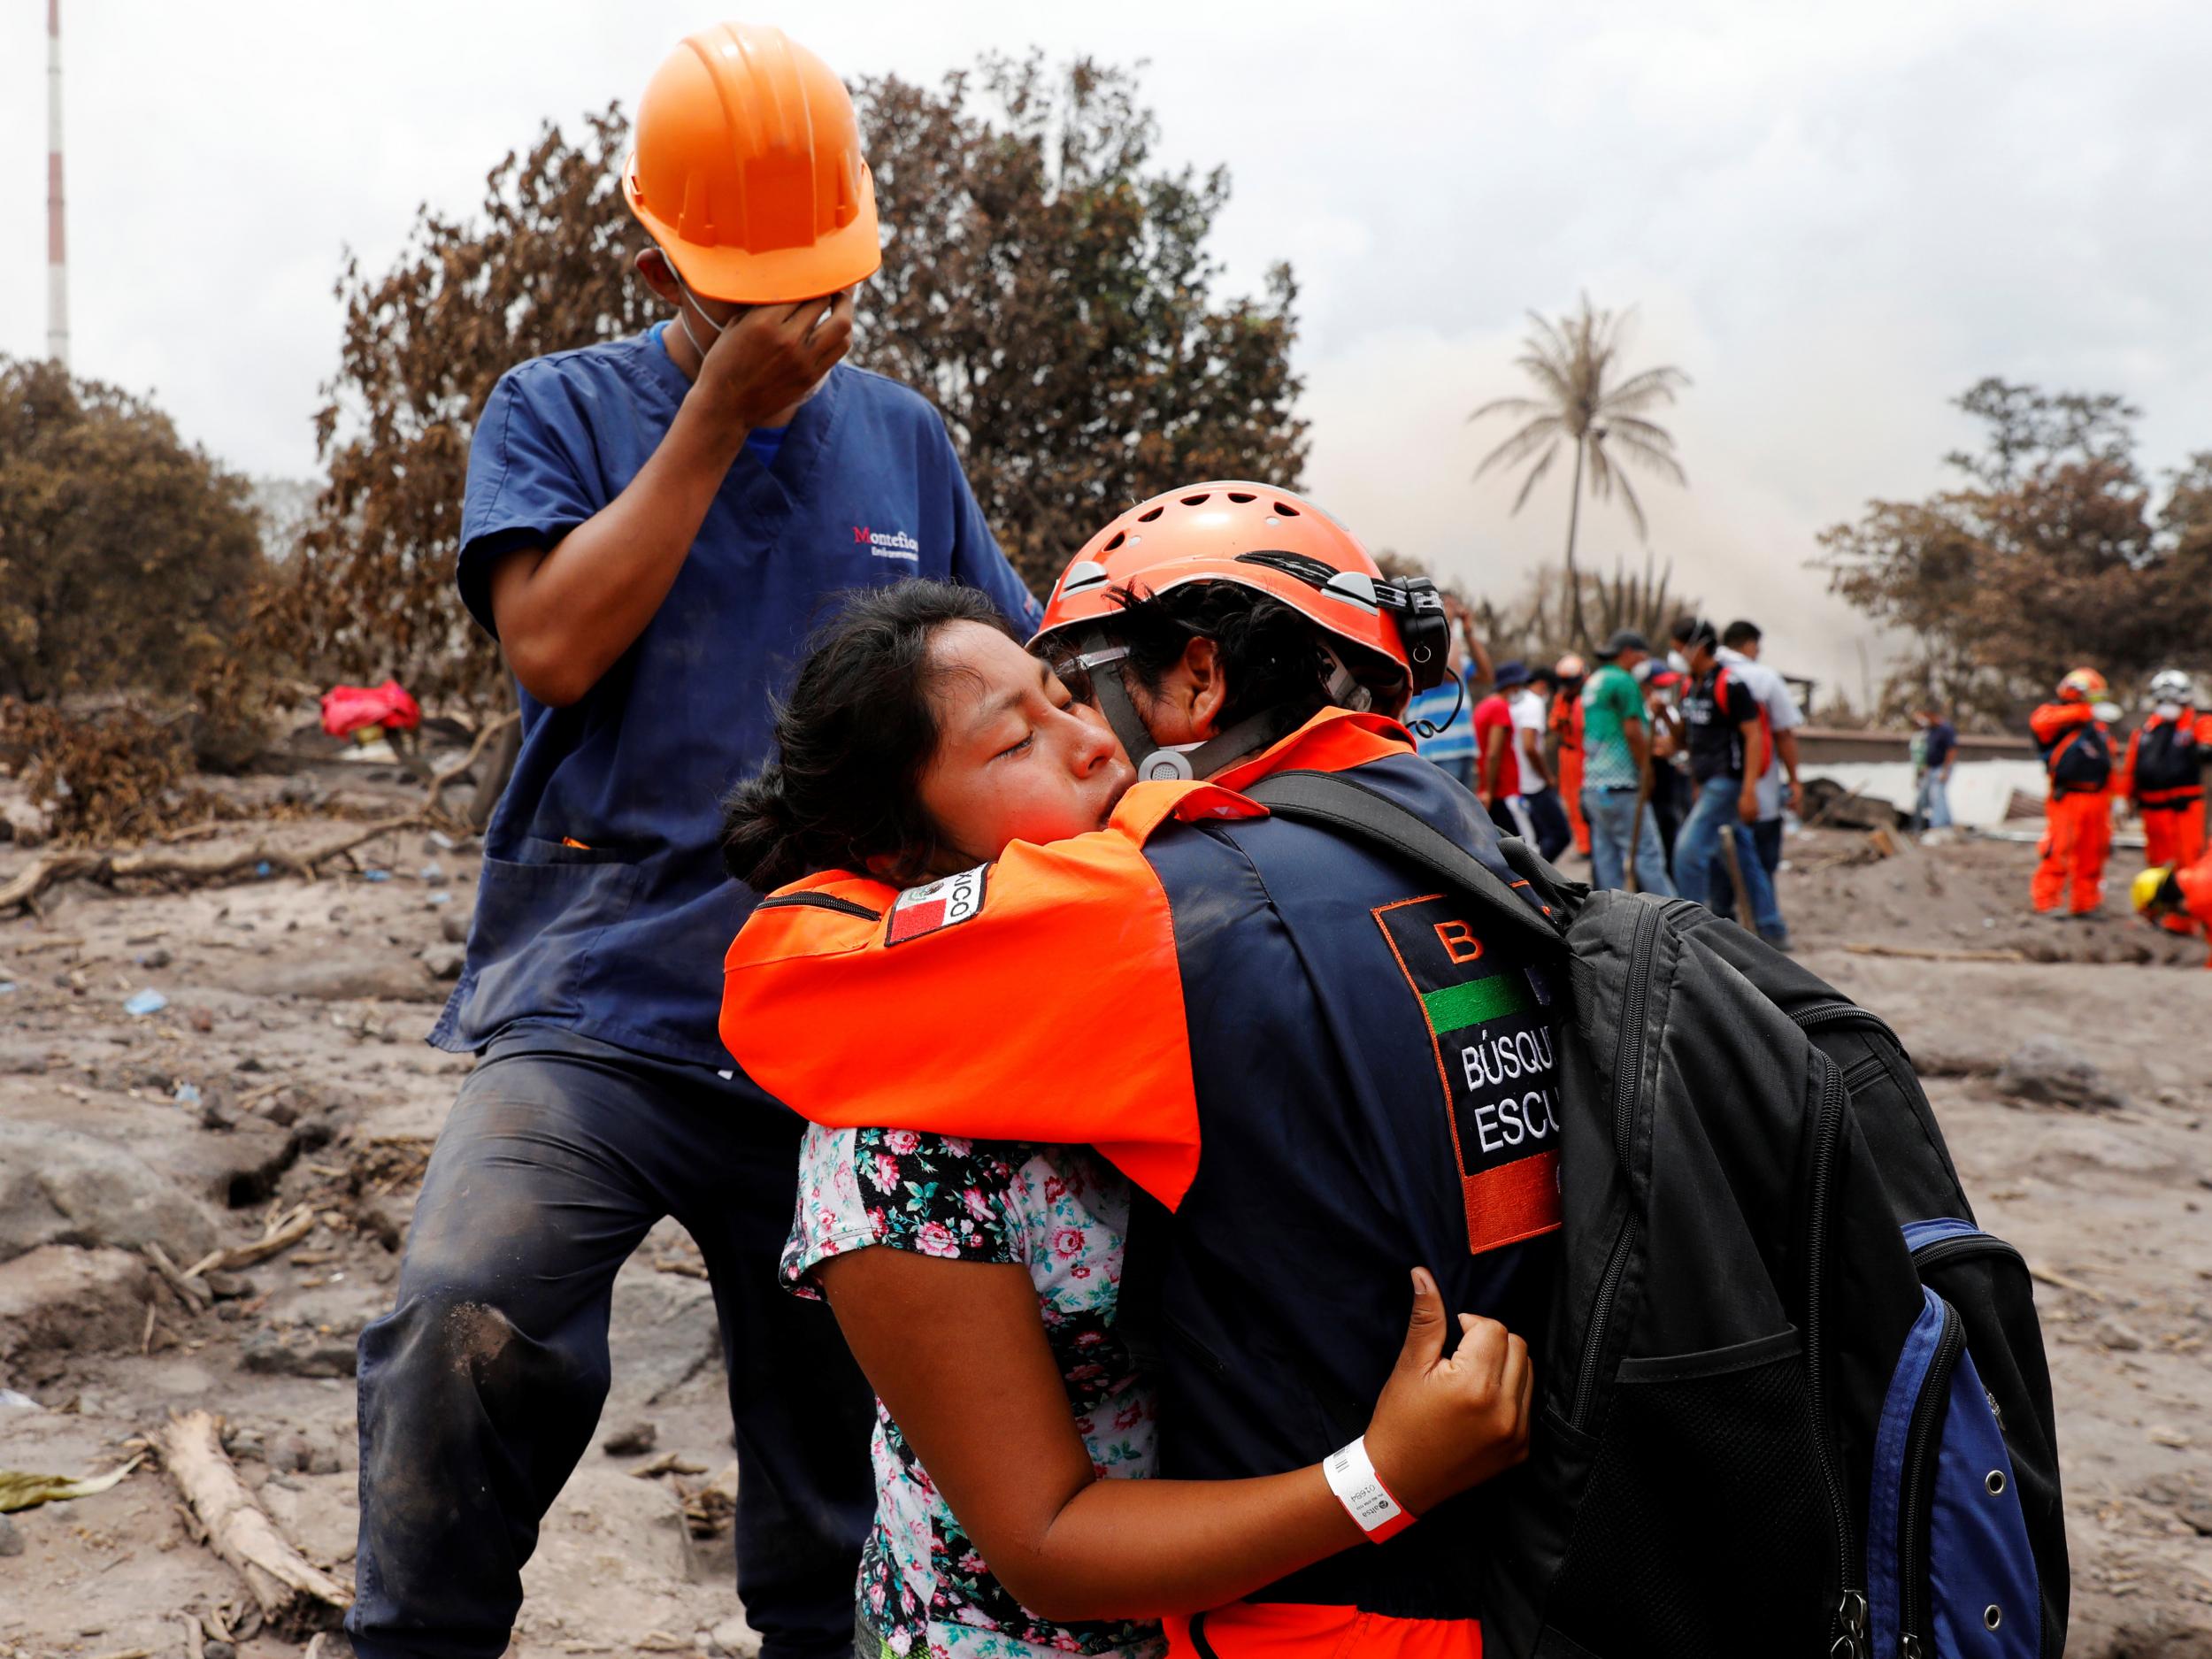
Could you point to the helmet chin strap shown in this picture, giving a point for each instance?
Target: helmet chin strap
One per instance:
(1157, 762)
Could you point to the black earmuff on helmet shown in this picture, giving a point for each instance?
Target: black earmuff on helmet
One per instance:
(1422, 624)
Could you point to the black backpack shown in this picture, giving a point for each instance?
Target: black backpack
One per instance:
(1793, 1402)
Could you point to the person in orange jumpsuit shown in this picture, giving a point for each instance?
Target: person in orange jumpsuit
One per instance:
(2161, 775)
(1566, 732)
(2077, 748)
(2184, 894)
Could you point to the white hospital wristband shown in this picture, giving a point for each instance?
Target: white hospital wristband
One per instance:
(1358, 1487)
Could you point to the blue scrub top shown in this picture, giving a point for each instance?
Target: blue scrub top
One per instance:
(602, 907)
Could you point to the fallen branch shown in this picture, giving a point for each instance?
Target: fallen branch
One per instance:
(110, 867)
(2060, 1281)
(293, 1596)
(1921, 953)
(668, 1464)
(484, 734)
(281, 1235)
(195, 1297)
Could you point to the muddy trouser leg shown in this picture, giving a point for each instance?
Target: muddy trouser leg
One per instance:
(480, 1391)
(804, 1413)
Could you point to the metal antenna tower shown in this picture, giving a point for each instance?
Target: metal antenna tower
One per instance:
(56, 247)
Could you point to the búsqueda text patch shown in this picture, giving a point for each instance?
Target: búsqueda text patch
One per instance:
(1488, 1025)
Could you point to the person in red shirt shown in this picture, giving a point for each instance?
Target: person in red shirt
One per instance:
(1497, 754)
(2161, 775)
(2077, 748)
(1566, 732)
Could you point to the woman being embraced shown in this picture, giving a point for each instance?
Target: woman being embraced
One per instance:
(978, 1282)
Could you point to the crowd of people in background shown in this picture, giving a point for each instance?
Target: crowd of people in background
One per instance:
(1673, 773)
(1676, 773)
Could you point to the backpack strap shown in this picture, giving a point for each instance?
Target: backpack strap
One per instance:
(1528, 897)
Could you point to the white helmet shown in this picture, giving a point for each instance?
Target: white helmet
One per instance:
(2170, 685)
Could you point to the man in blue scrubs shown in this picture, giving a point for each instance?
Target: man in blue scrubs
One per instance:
(651, 528)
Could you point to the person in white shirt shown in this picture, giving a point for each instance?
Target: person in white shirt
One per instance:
(1530, 708)
(1778, 788)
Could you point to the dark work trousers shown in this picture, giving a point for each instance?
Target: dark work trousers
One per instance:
(480, 1391)
(1766, 838)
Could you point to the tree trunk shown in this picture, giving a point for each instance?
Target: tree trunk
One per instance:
(1581, 633)
(501, 766)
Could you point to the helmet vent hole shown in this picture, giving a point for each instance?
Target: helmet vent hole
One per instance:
(1120, 537)
(1147, 518)
(1194, 501)
(1287, 510)
(1242, 496)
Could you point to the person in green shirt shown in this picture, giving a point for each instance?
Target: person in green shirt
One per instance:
(1616, 770)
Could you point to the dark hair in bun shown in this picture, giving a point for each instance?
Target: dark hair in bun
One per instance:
(852, 741)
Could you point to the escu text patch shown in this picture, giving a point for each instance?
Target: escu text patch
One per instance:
(1493, 1039)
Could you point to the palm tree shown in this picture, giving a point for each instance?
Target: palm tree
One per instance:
(1572, 362)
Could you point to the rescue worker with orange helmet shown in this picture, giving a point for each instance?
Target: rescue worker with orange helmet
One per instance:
(2165, 894)
(2077, 747)
(1565, 724)
(2162, 775)
(648, 523)
(1326, 1069)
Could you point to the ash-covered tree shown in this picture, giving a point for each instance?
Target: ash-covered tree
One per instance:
(1048, 284)
(544, 266)
(126, 555)
(1044, 281)
(2058, 556)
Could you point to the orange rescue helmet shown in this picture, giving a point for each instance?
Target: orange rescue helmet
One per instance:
(1268, 541)
(748, 169)
(1262, 538)
(2084, 684)
(1570, 667)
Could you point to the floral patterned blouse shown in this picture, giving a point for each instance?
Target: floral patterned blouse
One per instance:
(1062, 1212)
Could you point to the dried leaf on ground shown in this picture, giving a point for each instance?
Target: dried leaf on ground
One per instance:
(21, 1491)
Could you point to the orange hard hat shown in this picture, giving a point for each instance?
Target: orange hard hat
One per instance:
(1258, 537)
(748, 169)
(2084, 684)
(1570, 667)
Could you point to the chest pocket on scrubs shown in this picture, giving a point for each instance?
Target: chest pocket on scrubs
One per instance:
(561, 899)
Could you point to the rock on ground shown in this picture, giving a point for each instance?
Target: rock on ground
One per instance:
(57, 1186)
(2048, 1072)
(54, 1299)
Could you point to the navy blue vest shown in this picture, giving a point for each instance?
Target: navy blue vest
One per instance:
(1373, 1074)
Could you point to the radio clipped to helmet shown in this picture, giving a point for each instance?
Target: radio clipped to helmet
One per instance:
(1424, 626)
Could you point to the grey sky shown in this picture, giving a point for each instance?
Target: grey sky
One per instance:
(1833, 218)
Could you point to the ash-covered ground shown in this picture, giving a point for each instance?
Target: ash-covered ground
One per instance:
(286, 1068)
